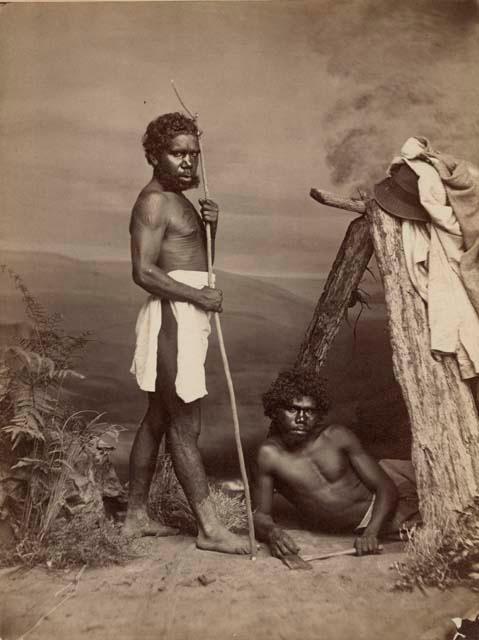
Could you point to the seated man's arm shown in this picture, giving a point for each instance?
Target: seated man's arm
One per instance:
(280, 543)
(378, 482)
(149, 222)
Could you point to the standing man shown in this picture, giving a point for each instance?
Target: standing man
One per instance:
(169, 259)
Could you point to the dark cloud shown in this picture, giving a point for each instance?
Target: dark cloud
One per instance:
(407, 68)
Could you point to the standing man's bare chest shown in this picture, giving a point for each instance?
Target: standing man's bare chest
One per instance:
(184, 222)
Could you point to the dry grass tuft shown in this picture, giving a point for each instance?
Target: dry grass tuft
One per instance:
(169, 505)
(230, 509)
(443, 554)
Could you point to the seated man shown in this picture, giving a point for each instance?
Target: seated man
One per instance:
(324, 472)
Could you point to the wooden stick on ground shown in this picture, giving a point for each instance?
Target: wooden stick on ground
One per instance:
(334, 554)
(224, 357)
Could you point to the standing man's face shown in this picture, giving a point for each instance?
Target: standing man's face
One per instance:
(180, 162)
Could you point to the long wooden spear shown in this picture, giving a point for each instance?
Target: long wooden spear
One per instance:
(224, 357)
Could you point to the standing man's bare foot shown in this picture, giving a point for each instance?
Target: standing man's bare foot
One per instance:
(222, 540)
(139, 524)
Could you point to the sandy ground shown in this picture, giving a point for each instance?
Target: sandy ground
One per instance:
(158, 595)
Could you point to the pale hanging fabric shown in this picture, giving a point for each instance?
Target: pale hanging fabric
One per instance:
(433, 254)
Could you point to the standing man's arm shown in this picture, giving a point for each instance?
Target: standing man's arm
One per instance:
(149, 222)
(378, 482)
(209, 213)
(280, 543)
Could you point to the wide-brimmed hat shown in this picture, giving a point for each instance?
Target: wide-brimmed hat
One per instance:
(399, 194)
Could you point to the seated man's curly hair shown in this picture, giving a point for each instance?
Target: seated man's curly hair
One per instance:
(293, 384)
(162, 130)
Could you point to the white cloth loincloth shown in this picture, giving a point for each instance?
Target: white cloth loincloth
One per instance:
(193, 332)
(402, 474)
(366, 519)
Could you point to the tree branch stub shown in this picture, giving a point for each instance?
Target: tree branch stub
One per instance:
(356, 205)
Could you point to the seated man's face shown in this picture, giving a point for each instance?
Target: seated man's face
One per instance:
(296, 421)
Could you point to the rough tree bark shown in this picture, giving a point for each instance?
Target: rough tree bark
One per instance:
(346, 273)
(444, 419)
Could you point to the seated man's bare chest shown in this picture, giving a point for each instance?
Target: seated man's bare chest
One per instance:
(310, 469)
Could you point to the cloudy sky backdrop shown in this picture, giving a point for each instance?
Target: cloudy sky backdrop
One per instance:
(290, 95)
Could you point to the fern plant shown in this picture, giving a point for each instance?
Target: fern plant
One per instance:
(43, 441)
(47, 338)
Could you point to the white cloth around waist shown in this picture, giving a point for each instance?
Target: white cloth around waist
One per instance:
(193, 332)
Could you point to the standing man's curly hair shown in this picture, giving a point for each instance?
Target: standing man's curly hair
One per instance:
(162, 130)
(293, 384)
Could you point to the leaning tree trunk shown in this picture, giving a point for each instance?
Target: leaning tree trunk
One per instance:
(444, 419)
(346, 273)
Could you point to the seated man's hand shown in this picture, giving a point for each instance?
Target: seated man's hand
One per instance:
(367, 543)
(281, 544)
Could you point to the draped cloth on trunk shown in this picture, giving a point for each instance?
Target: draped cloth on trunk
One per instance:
(443, 256)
